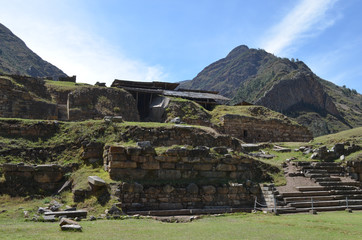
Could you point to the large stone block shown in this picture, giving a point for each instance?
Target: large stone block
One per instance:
(128, 164)
(203, 167)
(96, 181)
(225, 167)
(212, 174)
(169, 174)
(209, 189)
(150, 165)
(47, 177)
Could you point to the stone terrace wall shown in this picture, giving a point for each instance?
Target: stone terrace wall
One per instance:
(135, 196)
(355, 169)
(35, 129)
(179, 135)
(23, 179)
(96, 102)
(250, 129)
(134, 163)
(17, 102)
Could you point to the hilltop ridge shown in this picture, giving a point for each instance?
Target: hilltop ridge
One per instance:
(17, 58)
(283, 85)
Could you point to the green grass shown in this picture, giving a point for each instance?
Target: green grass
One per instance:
(332, 225)
(257, 112)
(353, 136)
(63, 85)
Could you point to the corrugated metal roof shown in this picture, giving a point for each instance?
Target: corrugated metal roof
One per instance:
(195, 95)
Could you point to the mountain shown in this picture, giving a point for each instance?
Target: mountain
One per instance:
(17, 58)
(286, 86)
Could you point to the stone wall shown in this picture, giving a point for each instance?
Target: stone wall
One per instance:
(135, 196)
(23, 179)
(354, 168)
(96, 102)
(179, 135)
(17, 102)
(33, 129)
(198, 164)
(251, 129)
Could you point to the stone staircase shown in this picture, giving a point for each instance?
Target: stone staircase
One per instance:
(333, 191)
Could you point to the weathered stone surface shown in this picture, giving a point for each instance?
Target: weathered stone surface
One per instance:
(67, 221)
(114, 210)
(78, 213)
(47, 177)
(225, 167)
(96, 181)
(192, 188)
(71, 227)
(144, 144)
(169, 174)
(209, 189)
(150, 166)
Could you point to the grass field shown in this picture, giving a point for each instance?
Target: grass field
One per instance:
(332, 225)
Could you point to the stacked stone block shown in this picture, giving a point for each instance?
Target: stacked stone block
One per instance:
(135, 196)
(135, 163)
(251, 129)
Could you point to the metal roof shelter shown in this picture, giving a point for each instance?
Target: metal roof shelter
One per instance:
(145, 92)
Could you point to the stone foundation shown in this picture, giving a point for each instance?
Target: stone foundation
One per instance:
(23, 179)
(179, 135)
(182, 164)
(251, 129)
(135, 196)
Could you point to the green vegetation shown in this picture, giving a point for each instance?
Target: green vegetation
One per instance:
(258, 112)
(65, 86)
(331, 225)
(352, 136)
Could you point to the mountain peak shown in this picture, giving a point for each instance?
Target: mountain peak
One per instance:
(17, 58)
(287, 86)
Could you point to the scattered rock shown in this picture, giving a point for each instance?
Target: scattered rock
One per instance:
(96, 181)
(144, 144)
(71, 227)
(55, 206)
(92, 218)
(114, 210)
(67, 221)
(26, 214)
(49, 218)
(176, 120)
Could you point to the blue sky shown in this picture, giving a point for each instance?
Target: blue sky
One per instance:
(173, 40)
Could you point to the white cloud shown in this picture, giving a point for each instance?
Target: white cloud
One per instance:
(71, 45)
(305, 20)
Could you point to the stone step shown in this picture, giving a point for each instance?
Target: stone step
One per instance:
(178, 212)
(304, 194)
(325, 203)
(318, 209)
(304, 199)
(324, 169)
(317, 175)
(327, 179)
(322, 198)
(323, 164)
(314, 171)
(338, 183)
(347, 192)
(336, 187)
(310, 188)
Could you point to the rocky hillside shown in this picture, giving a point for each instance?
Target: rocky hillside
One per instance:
(17, 58)
(284, 85)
